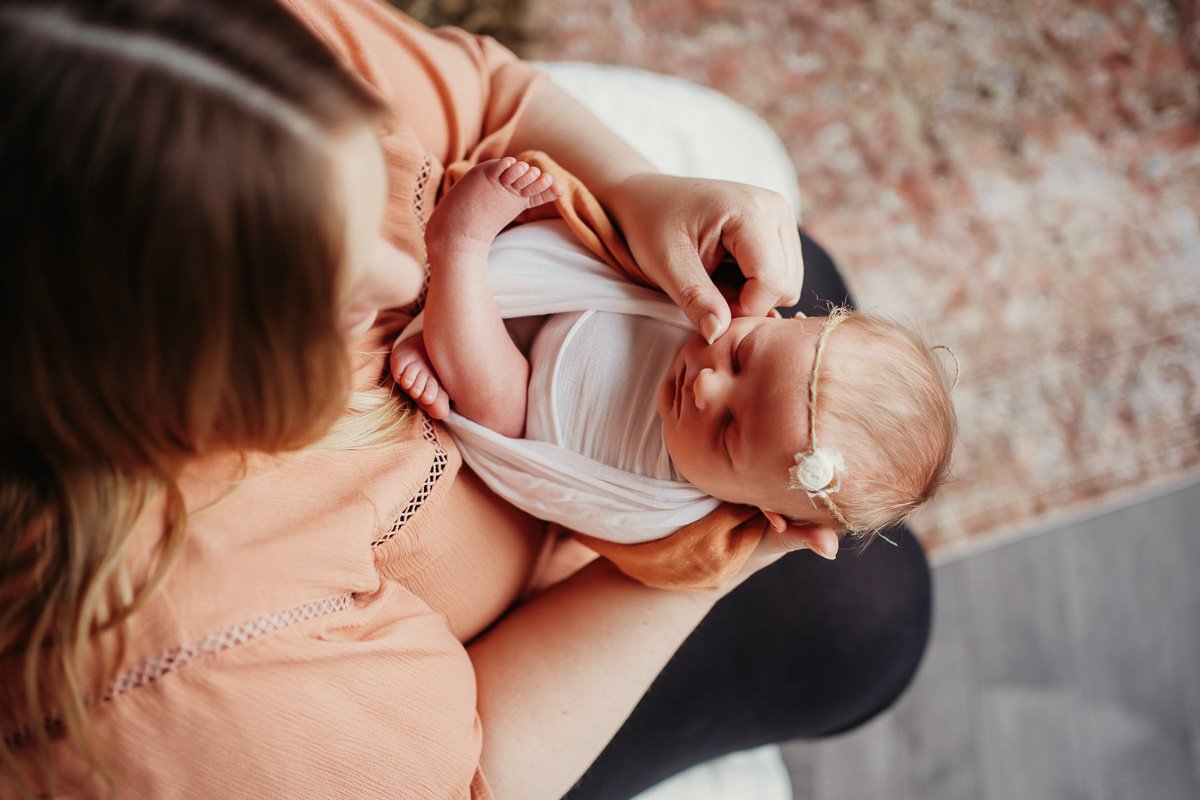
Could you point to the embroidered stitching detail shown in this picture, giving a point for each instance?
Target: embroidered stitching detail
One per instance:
(154, 668)
(440, 459)
(419, 212)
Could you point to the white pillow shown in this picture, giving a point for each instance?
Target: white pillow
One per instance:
(757, 774)
(681, 127)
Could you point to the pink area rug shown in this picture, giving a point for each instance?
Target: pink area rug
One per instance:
(1021, 177)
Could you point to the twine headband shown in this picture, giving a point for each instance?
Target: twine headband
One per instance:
(819, 471)
(957, 363)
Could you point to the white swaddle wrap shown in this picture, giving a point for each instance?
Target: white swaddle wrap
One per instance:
(539, 269)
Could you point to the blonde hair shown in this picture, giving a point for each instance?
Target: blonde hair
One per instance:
(170, 287)
(883, 405)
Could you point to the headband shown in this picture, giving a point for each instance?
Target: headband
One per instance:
(819, 471)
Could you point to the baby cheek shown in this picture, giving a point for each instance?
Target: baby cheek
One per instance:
(677, 448)
(695, 463)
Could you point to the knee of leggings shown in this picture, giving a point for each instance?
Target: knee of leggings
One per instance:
(865, 624)
(892, 634)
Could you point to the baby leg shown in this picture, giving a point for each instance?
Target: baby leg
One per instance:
(477, 364)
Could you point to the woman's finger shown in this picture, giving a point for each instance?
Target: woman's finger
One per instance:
(757, 299)
(789, 235)
(775, 543)
(690, 286)
(764, 260)
(821, 540)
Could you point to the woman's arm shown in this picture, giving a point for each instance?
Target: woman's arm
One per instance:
(678, 229)
(557, 123)
(559, 674)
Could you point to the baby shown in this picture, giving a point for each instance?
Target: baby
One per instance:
(842, 421)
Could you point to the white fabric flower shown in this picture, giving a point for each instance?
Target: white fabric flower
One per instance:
(818, 472)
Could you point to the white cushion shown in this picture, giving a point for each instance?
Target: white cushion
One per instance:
(757, 774)
(682, 128)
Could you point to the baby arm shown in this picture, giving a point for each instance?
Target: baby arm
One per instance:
(468, 347)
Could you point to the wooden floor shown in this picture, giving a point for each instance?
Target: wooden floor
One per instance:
(1062, 667)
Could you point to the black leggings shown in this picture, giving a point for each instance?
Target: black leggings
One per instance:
(804, 649)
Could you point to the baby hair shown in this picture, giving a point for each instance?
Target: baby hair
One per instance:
(883, 406)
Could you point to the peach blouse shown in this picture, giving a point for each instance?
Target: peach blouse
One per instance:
(309, 642)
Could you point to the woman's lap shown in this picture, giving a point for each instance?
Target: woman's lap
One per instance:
(804, 649)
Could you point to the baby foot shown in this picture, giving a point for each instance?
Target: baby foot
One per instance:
(483, 202)
(414, 374)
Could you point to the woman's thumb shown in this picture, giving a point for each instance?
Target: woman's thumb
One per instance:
(703, 304)
(821, 540)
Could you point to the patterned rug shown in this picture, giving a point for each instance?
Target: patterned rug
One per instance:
(1021, 178)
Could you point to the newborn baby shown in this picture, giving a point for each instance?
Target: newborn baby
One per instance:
(842, 421)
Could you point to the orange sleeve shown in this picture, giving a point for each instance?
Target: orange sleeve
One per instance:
(457, 97)
(460, 94)
(454, 98)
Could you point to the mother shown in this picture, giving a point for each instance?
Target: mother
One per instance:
(207, 249)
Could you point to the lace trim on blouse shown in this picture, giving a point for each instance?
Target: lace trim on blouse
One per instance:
(154, 668)
(440, 459)
(419, 212)
(162, 664)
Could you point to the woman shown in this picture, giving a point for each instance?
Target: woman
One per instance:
(210, 588)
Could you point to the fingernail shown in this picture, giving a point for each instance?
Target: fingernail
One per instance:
(710, 326)
(824, 553)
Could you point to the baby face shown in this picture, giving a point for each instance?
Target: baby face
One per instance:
(735, 413)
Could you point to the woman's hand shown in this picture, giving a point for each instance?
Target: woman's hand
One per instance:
(679, 229)
(781, 539)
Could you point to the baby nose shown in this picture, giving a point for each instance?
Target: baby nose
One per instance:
(709, 388)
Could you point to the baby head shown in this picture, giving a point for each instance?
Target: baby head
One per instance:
(737, 419)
